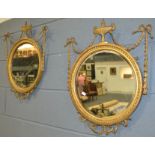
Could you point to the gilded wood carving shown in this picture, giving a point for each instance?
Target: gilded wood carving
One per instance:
(100, 101)
(25, 62)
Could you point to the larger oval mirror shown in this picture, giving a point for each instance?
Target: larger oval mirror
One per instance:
(106, 84)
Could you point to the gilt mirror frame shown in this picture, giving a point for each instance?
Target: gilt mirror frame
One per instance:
(109, 124)
(39, 43)
(125, 114)
(31, 87)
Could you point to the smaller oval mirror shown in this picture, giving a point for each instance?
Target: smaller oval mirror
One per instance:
(25, 65)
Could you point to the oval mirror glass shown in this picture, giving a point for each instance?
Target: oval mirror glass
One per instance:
(105, 84)
(25, 64)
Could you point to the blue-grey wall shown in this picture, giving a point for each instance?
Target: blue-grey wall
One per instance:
(49, 111)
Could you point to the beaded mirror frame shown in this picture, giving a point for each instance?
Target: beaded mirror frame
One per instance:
(25, 38)
(110, 124)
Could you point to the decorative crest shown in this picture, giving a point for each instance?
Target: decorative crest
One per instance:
(103, 30)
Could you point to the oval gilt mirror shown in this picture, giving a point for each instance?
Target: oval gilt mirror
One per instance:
(105, 84)
(25, 65)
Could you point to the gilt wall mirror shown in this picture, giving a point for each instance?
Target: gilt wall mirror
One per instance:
(25, 63)
(105, 82)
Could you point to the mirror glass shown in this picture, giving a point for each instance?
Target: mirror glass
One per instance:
(105, 84)
(25, 64)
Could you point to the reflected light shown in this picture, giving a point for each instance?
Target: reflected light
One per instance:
(25, 50)
(25, 46)
(83, 93)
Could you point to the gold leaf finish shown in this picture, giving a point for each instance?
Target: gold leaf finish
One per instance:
(27, 90)
(122, 116)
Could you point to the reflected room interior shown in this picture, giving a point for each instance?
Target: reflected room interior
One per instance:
(25, 65)
(105, 84)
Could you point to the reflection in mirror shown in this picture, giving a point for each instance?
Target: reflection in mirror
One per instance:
(105, 84)
(25, 65)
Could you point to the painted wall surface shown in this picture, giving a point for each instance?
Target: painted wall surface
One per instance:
(49, 111)
(114, 83)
